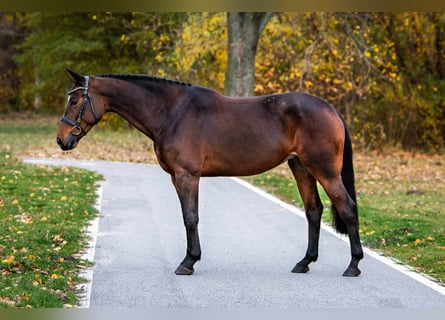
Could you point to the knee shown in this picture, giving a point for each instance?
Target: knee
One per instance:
(191, 221)
(313, 214)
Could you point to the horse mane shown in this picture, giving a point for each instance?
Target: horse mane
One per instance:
(142, 77)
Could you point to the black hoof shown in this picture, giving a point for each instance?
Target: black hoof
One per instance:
(352, 272)
(300, 269)
(183, 271)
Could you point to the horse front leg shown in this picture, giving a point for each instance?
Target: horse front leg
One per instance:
(187, 188)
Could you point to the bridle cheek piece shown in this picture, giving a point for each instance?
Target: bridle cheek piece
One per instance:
(76, 128)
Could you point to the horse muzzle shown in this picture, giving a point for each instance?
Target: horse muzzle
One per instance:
(67, 144)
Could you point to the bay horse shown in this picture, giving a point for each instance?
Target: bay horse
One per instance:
(198, 132)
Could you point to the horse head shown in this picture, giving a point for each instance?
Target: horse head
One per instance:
(80, 112)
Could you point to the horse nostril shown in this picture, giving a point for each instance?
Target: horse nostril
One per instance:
(59, 141)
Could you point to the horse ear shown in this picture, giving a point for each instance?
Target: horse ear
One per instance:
(77, 78)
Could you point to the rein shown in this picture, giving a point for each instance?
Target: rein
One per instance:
(77, 129)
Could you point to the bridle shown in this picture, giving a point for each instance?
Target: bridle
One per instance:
(77, 129)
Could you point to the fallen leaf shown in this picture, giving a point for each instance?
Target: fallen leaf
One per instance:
(9, 260)
(7, 301)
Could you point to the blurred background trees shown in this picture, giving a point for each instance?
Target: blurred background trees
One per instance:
(384, 71)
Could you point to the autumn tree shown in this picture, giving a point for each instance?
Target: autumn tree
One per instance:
(200, 54)
(244, 30)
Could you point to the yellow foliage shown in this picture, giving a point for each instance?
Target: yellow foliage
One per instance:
(203, 41)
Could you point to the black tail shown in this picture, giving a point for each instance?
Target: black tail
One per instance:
(347, 176)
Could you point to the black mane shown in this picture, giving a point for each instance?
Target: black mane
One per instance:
(142, 77)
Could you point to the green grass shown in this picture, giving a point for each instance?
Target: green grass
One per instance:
(409, 227)
(43, 213)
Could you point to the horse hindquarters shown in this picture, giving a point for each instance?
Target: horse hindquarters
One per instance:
(325, 152)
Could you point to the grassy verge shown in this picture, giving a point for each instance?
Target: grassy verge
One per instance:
(401, 206)
(43, 213)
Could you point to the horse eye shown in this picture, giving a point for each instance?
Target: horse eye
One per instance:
(73, 102)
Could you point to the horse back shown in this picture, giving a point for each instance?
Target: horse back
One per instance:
(219, 135)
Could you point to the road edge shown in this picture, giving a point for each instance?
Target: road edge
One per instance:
(87, 274)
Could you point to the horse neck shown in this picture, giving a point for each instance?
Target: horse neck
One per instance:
(147, 108)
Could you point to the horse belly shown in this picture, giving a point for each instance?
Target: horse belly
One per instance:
(240, 141)
(242, 161)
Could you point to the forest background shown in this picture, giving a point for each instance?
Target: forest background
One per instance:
(384, 72)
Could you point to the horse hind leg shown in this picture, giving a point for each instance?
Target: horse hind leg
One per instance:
(345, 207)
(313, 207)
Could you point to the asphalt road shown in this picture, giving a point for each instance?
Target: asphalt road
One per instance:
(250, 242)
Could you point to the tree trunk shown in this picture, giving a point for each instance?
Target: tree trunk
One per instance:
(244, 30)
(37, 97)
